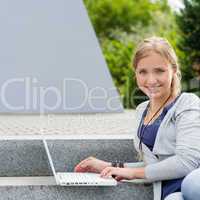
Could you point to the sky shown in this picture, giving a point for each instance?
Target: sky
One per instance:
(176, 4)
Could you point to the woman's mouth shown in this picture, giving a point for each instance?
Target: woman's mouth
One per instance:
(153, 89)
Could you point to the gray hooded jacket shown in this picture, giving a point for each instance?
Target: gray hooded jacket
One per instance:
(176, 150)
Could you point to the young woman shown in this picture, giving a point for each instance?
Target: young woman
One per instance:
(168, 125)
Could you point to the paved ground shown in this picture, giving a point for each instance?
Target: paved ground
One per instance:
(68, 124)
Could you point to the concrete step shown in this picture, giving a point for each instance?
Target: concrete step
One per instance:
(25, 173)
(28, 157)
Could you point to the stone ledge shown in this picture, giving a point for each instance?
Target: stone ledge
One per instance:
(51, 192)
(50, 180)
(27, 181)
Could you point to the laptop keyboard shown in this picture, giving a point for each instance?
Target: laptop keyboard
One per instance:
(84, 179)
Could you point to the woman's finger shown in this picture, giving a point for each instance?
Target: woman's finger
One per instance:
(106, 172)
(84, 162)
(118, 178)
(103, 172)
(81, 167)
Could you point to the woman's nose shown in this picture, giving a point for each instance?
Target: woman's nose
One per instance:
(151, 79)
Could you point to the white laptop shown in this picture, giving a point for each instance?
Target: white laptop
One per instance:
(78, 179)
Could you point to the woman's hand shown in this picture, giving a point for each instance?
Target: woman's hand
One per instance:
(120, 173)
(91, 164)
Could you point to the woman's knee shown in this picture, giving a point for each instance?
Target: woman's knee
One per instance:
(174, 196)
(191, 186)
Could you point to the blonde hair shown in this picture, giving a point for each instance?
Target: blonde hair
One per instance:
(162, 47)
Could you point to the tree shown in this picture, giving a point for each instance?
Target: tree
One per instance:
(189, 22)
(109, 15)
(120, 25)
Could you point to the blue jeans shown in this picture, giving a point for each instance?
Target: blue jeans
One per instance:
(190, 187)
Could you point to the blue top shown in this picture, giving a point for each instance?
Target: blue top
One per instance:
(148, 138)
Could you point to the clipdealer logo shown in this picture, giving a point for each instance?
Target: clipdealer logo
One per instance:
(36, 96)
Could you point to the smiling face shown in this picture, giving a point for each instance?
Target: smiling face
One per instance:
(154, 76)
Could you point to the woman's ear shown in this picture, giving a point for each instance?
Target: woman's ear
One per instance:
(174, 70)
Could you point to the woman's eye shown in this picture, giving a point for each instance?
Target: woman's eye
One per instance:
(142, 72)
(160, 71)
